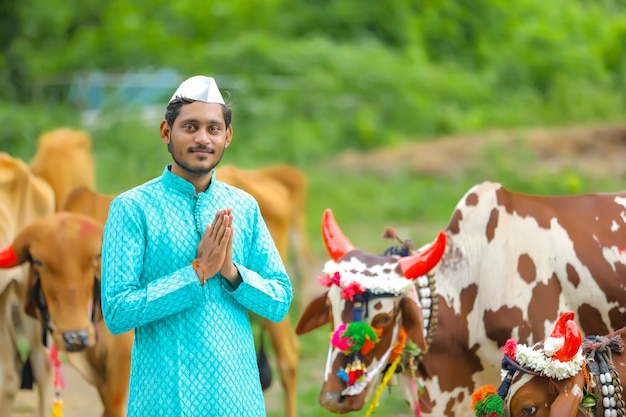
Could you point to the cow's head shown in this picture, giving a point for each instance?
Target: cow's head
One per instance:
(543, 380)
(374, 309)
(63, 280)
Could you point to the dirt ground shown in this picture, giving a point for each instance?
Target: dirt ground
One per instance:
(595, 149)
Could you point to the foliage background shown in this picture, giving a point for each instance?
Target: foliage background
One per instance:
(310, 80)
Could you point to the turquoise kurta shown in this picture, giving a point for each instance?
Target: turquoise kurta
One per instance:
(193, 353)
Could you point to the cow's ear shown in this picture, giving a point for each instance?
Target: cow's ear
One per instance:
(19, 251)
(413, 322)
(566, 404)
(314, 316)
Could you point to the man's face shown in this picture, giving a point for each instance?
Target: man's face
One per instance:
(197, 139)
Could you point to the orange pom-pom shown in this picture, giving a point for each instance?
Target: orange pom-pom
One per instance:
(481, 393)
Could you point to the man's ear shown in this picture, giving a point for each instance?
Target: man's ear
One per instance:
(229, 136)
(165, 131)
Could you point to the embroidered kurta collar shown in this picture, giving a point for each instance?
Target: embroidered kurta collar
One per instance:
(180, 184)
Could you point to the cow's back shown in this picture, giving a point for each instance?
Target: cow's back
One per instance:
(272, 197)
(89, 202)
(65, 161)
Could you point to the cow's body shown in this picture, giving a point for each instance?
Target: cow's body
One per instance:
(512, 264)
(23, 199)
(282, 208)
(63, 253)
(65, 161)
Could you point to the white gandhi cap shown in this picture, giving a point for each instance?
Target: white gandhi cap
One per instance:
(199, 88)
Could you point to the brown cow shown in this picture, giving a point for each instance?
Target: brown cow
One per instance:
(63, 251)
(280, 193)
(23, 199)
(513, 262)
(65, 161)
(373, 304)
(562, 376)
(296, 184)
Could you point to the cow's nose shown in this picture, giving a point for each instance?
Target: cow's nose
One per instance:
(76, 341)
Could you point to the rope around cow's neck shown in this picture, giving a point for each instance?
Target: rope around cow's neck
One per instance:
(390, 371)
(57, 407)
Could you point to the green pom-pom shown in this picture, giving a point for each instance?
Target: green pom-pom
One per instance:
(358, 332)
(491, 406)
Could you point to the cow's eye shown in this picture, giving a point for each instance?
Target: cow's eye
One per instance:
(37, 264)
(382, 321)
(529, 411)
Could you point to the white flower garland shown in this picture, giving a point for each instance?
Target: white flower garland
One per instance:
(540, 360)
(379, 282)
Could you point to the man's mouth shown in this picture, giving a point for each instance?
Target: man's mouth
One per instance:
(201, 150)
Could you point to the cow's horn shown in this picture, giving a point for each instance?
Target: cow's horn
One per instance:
(8, 258)
(336, 243)
(566, 327)
(561, 324)
(421, 263)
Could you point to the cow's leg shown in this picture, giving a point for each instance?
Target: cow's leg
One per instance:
(114, 391)
(40, 362)
(287, 351)
(9, 356)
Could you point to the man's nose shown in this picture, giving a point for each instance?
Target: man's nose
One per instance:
(202, 136)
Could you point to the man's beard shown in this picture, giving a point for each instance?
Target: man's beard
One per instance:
(187, 168)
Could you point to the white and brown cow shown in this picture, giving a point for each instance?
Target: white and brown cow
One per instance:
(373, 306)
(561, 376)
(513, 262)
(23, 199)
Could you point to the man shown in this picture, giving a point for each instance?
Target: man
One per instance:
(184, 258)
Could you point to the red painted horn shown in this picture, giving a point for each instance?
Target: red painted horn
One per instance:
(566, 327)
(8, 258)
(336, 243)
(561, 324)
(414, 266)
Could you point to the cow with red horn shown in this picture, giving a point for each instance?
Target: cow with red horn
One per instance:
(374, 305)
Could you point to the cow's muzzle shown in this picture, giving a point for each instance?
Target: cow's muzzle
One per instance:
(76, 341)
(337, 403)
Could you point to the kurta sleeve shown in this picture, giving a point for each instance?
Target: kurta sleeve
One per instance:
(266, 288)
(126, 302)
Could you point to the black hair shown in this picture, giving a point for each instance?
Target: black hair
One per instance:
(173, 110)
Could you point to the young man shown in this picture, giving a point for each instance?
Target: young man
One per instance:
(184, 257)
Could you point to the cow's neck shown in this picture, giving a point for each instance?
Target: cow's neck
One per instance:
(429, 303)
(84, 364)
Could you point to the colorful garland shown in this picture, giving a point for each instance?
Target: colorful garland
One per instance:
(353, 283)
(540, 360)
